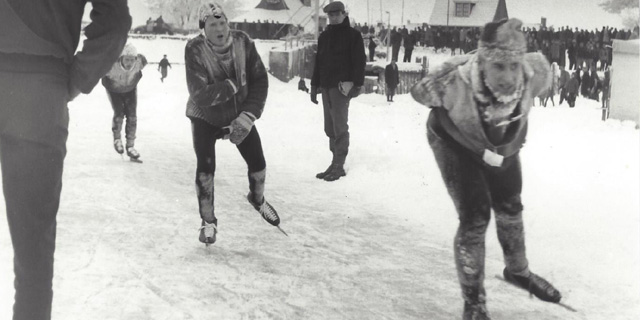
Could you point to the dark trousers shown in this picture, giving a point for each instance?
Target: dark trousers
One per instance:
(33, 134)
(372, 54)
(336, 123)
(390, 93)
(395, 50)
(204, 143)
(407, 55)
(475, 189)
(124, 105)
(571, 98)
(563, 95)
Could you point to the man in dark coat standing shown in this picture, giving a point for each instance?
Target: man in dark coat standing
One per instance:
(372, 48)
(40, 72)
(339, 75)
(391, 77)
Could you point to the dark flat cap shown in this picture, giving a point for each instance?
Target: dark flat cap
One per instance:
(334, 6)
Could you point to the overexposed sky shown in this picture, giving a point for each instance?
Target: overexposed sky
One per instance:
(575, 13)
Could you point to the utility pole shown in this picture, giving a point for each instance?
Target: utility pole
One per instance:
(448, 1)
(402, 16)
(368, 13)
(317, 5)
(381, 21)
(388, 35)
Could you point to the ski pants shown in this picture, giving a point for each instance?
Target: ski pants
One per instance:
(124, 105)
(336, 123)
(33, 132)
(475, 189)
(205, 136)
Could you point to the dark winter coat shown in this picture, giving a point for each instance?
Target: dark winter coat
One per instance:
(46, 41)
(164, 64)
(212, 99)
(340, 57)
(572, 86)
(391, 76)
(450, 88)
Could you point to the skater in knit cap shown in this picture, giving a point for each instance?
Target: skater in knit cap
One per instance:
(477, 125)
(228, 87)
(121, 83)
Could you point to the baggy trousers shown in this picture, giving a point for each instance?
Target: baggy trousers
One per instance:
(33, 132)
(336, 123)
(205, 136)
(124, 105)
(475, 189)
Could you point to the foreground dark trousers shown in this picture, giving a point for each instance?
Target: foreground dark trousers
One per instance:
(336, 123)
(204, 143)
(475, 189)
(390, 93)
(124, 105)
(33, 133)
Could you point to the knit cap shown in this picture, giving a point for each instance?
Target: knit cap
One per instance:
(209, 9)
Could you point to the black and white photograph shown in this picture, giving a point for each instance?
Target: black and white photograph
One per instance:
(320, 159)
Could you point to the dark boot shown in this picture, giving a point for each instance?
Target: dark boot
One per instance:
(321, 175)
(336, 171)
(535, 284)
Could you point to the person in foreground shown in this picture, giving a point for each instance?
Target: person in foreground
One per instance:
(477, 125)
(228, 87)
(40, 72)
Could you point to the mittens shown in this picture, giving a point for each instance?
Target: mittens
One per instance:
(240, 127)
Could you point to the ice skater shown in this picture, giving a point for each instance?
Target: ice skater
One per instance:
(228, 87)
(121, 83)
(477, 125)
(162, 67)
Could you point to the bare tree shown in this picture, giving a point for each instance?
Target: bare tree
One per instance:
(617, 6)
(184, 12)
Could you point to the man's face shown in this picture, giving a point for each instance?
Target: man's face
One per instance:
(336, 17)
(502, 76)
(128, 61)
(217, 30)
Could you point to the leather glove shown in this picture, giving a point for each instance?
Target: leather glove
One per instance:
(240, 127)
(355, 91)
(314, 94)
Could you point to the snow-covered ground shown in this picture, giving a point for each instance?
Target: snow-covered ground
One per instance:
(376, 244)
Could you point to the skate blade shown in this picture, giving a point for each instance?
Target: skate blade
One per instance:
(561, 304)
(282, 231)
(135, 160)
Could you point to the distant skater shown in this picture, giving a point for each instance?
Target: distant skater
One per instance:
(162, 67)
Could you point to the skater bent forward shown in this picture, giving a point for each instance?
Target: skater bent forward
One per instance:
(477, 125)
(228, 87)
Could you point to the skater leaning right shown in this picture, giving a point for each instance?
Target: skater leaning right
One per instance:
(228, 86)
(121, 83)
(162, 67)
(477, 125)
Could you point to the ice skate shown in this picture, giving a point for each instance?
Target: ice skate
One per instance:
(208, 232)
(117, 145)
(133, 155)
(535, 284)
(265, 209)
(477, 311)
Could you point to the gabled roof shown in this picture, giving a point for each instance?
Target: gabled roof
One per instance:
(483, 11)
(280, 11)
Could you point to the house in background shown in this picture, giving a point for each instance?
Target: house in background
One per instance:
(467, 13)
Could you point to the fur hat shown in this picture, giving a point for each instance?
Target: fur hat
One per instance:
(209, 9)
(129, 50)
(502, 40)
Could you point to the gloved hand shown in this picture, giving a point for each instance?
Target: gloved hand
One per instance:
(355, 91)
(240, 127)
(314, 94)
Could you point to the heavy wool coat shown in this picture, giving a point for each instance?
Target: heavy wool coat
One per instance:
(212, 99)
(450, 88)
